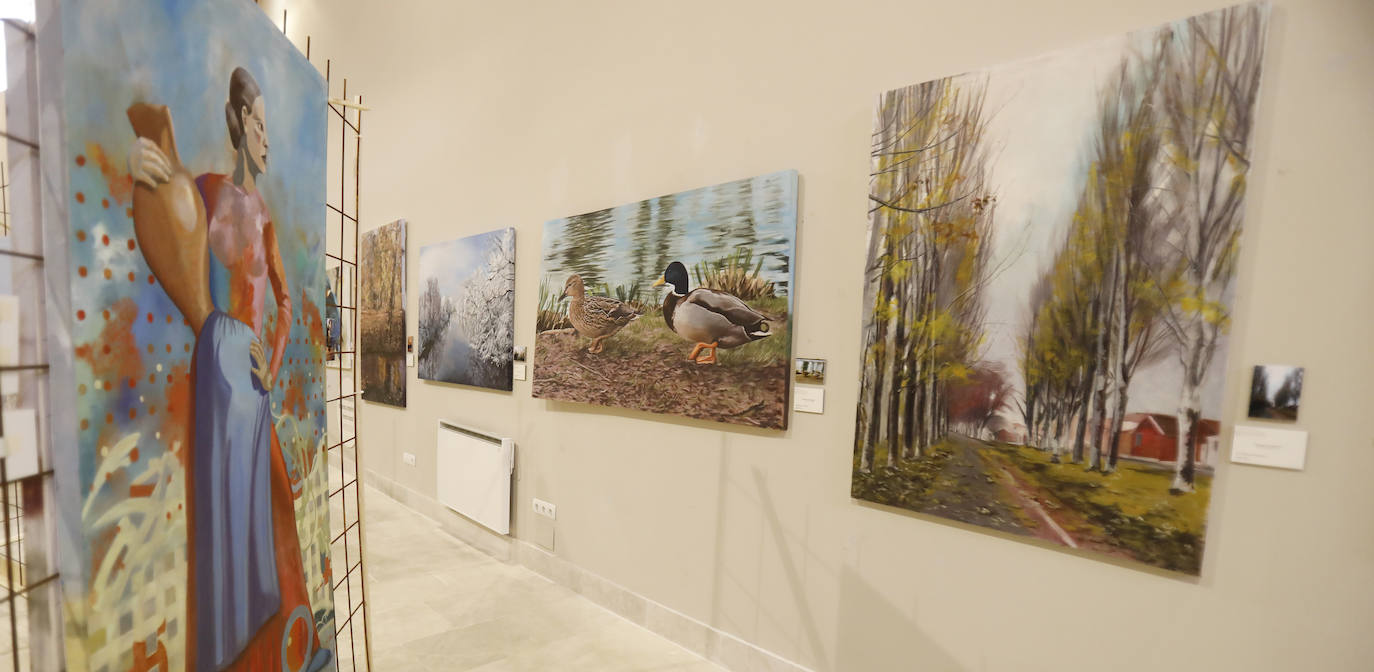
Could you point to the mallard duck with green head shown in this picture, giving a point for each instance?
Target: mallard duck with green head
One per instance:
(595, 317)
(710, 318)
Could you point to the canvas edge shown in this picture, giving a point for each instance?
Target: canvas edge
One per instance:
(54, 185)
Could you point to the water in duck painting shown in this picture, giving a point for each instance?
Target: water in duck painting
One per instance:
(678, 304)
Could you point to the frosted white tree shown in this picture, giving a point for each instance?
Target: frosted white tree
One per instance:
(486, 309)
(436, 314)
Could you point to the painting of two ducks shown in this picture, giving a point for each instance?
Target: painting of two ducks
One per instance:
(679, 304)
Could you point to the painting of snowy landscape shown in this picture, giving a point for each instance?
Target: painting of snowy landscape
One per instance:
(1048, 288)
(467, 310)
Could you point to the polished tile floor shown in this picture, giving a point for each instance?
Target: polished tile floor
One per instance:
(439, 604)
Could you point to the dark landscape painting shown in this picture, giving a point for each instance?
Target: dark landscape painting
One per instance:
(680, 304)
(1275, 392)
(382, 262)
(1051, 254)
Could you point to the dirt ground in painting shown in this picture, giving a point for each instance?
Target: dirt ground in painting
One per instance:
(1127, 514)
(657, 377)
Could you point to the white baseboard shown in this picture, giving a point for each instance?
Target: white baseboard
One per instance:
(498, 546)
(717, 646)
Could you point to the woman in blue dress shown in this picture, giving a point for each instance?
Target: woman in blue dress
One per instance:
(248, 605)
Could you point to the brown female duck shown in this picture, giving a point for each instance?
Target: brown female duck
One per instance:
(595, 317)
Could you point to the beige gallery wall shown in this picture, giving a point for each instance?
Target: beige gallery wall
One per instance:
(496, 114)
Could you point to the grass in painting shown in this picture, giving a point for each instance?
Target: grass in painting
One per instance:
(1131, 508)
(906, 484)
(736, 274)
(553, 313)
(1129, 513)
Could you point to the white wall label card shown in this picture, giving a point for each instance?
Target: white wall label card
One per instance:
(20, 443)
(9, 343)
(808, 399)
(518, 370)
(410, 359)
(1268, 447)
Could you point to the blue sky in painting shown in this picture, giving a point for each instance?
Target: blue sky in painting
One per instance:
(452, 261)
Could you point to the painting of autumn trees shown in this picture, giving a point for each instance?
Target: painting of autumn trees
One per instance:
(1052, 246)
(382, 259)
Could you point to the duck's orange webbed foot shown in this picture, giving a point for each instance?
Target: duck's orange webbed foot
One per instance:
(707, 353)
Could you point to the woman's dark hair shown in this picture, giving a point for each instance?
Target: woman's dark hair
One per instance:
(243, 92)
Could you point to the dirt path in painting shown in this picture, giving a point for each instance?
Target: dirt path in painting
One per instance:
(1025, 497)
(1053, 521)
(970, 490)
(975, 486)
(660, 380)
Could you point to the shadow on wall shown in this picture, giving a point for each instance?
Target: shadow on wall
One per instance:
(872, 633)
(872, 629)
(763, 552)
(776, 534)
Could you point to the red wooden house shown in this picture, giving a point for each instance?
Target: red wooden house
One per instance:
(1154, 436)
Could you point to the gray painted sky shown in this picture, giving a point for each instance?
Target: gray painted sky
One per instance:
(1042, 116)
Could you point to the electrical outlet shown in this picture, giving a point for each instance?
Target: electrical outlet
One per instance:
(408, 458)
(545, 509)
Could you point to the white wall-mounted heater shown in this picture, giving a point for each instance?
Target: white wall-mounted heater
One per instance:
(473, 474)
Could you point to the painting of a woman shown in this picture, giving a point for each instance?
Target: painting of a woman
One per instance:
(248, 603)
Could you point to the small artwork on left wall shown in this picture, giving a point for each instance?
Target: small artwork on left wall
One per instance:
(467, 310)
(338, 322)
(809, 371)
(382, 258)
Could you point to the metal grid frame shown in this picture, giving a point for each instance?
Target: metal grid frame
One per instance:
(344, 404)
(28, 502)
(342, 449)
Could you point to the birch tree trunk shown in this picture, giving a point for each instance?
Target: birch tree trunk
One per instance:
(1107, 357)
(1121, 333)
(1190, 408)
